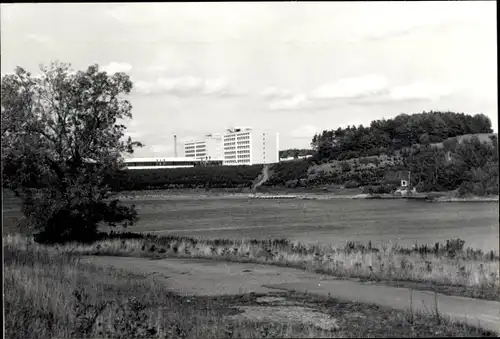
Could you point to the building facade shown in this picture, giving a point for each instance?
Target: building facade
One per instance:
(208, 148)
(247, 146)
(236, 146)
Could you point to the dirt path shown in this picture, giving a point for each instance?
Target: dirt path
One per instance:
(208, 277)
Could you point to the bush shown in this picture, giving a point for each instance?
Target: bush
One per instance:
(195, 177)
(378, 189)
(287, 171)
(344, 165)
(351, 184)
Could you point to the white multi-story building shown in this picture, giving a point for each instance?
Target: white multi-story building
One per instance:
(247, 146)
(208, 148)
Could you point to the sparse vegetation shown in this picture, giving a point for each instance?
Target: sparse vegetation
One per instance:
(449, 268)
(50, 293)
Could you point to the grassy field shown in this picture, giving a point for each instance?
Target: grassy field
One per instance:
(446, 268)
(50, 294)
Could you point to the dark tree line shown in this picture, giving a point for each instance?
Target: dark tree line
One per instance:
(386, 136)
(470, 166)
(196, 177)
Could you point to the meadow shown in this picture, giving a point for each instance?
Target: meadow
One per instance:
(49, 293)
(398, 243)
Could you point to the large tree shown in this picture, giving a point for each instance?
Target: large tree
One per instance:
(62, 137)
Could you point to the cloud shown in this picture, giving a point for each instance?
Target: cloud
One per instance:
(302, 132)
(299, 101)
(161, 148)
(116, 67)
(187, 86)
(133, 134)
(402, 19)
(39, 38)
(419, 91)
(274, 93)
(182, 22)
(354, 87)
(188, 138)
(156, 68)
(348, 88)
(365, 90)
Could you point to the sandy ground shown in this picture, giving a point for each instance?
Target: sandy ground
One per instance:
(208, 277)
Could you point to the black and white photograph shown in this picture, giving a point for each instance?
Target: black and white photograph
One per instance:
(246, 169)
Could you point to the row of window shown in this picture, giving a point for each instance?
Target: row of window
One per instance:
(161, 163)
(237, 161)
(240, 146)
(238, 152)
(234, 136)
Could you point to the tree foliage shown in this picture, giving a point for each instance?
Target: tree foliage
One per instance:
(62, 136)
(186, 178)
(387, 136)
(470, 166)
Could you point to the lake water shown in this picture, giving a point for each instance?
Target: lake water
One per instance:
(329, 221)
(325, 221)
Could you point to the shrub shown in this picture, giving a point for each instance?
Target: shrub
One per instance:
(351, 184)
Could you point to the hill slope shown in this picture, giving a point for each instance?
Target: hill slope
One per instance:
(479, 152)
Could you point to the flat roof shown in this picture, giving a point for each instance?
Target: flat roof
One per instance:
(171, 159)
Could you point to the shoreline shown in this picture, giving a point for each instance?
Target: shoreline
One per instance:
(192, 195)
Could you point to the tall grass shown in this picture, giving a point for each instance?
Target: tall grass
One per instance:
(475, 273)
(49, 293)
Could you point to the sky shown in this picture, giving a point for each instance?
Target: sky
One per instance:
(290, 67)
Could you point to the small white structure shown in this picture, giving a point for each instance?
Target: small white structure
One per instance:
(404, 183)
(154, 163)
(299, 157)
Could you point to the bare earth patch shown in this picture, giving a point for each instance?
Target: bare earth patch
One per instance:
(212, 278)
(287, 314)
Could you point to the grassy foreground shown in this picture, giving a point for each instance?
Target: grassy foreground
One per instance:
(50, 294)
(447, 268)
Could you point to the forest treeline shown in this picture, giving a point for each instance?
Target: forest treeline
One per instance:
(430, 145)
(387, 136)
